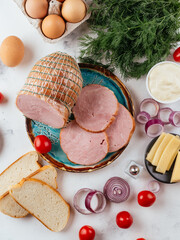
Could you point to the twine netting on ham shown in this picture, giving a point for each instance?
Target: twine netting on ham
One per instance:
(55, 79)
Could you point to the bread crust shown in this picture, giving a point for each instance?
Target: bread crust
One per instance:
(30, 176)
(38, 164)
(42, 169)
(19, 159)
(35, 180)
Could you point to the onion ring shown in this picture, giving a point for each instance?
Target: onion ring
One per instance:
(101, 201)
(116, 190)
(154, 123)
(76, 201)
(173, 115)
(152, 101)
(143, 117)
(166, 109)
(154, 186)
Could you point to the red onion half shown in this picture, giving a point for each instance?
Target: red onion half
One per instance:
(154, 127)
(149, 101)
(167, 111)
(101, 201)
(116, 190)
(174, 118)
(143, 117)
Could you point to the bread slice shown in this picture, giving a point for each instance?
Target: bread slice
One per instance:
(43, 202)
(10, 207)
(18, 170)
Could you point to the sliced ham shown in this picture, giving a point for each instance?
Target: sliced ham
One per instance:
(121, 130)
(51, 90)
(95, 108)
(82, 147)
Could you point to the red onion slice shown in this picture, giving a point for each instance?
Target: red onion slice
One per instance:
(153, 186)
(151, 101)
(143, 117)
(116, 190)
(154, 127)
(101, 201)
(167, 111)
(77, 198)
(174, 118)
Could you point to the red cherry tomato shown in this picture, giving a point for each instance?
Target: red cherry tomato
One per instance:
(176, 55)
(146, 198)
(42, 144)
(86, 233)
(1, 97)
(124, 219)
(140, 239)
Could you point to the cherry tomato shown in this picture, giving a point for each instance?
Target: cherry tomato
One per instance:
(176, 55)
(42, 144)
(1, 97)
(140, 239)
(146, 198)
(86, 233)
(124, 219)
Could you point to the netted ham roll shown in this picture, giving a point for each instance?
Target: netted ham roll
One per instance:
(51, 90)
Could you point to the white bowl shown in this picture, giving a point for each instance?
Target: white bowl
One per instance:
(147, 83)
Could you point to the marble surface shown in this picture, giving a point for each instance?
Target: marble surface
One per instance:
(159, 222)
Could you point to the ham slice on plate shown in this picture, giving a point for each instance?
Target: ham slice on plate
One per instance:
(82, 147)
(95, 108)
(121, 130)
(51, 90)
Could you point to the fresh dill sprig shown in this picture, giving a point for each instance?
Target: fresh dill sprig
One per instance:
(131, 35)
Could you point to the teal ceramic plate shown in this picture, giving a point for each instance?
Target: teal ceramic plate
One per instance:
(91, 74)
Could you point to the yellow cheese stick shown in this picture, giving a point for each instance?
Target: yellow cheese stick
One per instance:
(176, 171)
(170, 164)
(161, 148)
(154, 148)
(168, 155)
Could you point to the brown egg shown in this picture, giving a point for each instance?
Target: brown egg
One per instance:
(36, 8)
(73, 10)
(12, 51)
(53, 26)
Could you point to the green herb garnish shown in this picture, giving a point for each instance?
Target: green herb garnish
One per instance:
(132, 35)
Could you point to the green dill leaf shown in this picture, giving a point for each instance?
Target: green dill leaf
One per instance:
(123, 32)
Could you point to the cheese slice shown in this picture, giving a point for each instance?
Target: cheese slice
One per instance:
(168, 137)
(168, 156)
(170, 164)
(176, 171)
(154, 148)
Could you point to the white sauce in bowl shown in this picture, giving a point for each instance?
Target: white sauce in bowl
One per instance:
(164, 82)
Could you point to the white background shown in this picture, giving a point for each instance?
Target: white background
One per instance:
(159, 222)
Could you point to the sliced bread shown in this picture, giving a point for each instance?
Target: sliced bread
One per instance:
(18, 170)
(43, 202)
(10, 207)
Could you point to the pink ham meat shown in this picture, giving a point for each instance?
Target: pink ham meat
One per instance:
(95, 108)
(51, 90)
(121, 130)
(82, 147)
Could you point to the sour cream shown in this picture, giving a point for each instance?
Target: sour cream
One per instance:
(163, 82)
